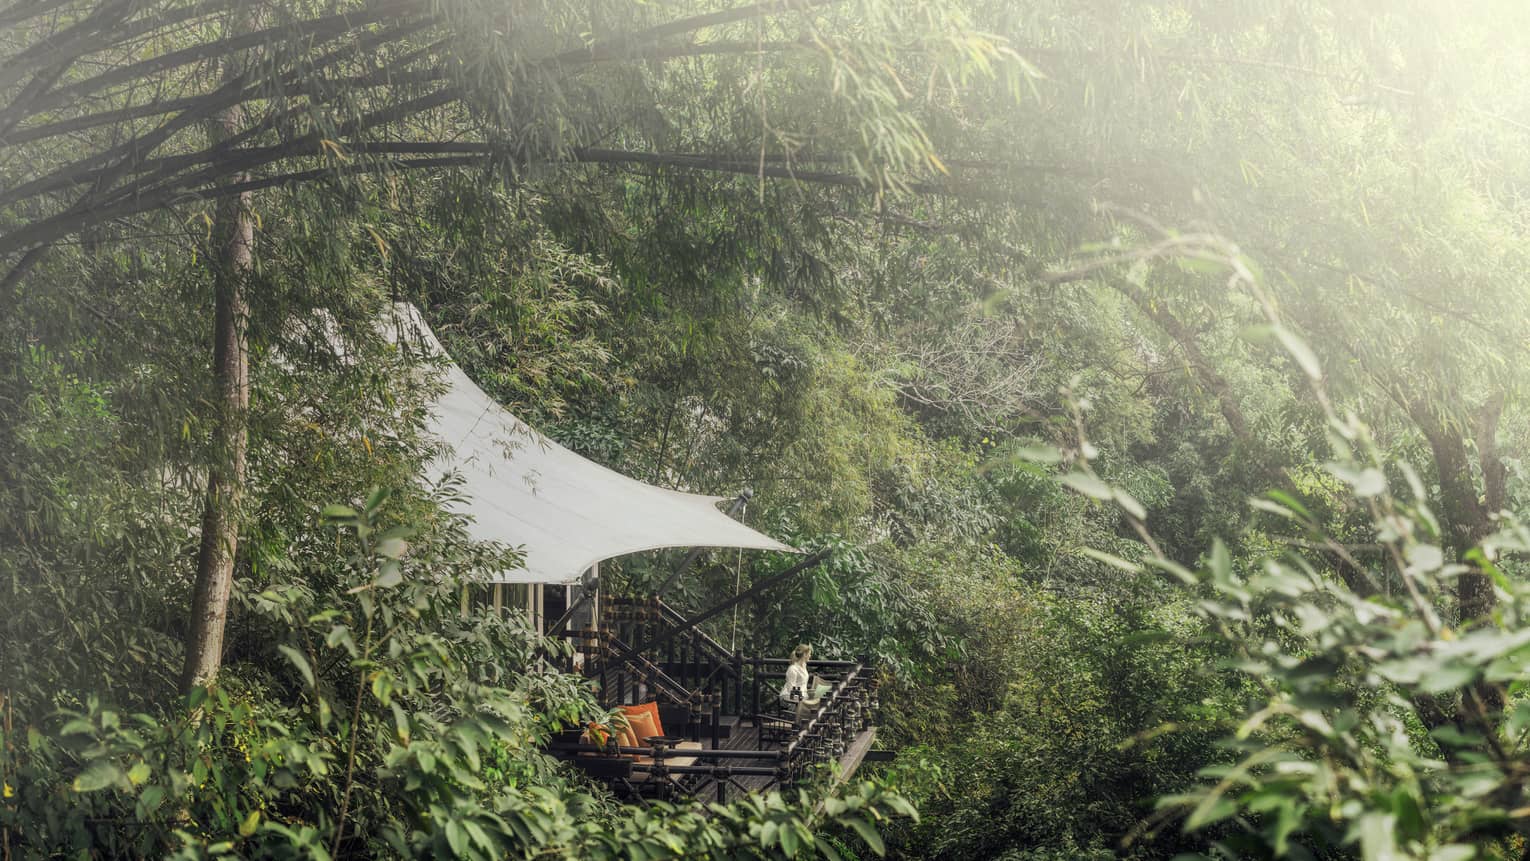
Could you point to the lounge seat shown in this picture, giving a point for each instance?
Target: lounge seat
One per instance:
(684, 760)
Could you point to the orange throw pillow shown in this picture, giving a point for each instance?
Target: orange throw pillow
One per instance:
(652, 711)
(625, 737)
(642, 727)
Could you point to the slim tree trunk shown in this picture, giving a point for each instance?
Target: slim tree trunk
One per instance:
(235, 232)
(1495, 475)
(1205, 372)
(1465, 518)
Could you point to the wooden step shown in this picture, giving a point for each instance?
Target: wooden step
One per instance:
(727, 727)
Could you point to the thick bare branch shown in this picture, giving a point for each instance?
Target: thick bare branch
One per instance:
(620, 48)
(62, 47)
(306, 32)
(1465, 519)
(160, 182)
(390, 76)
(194, 186)
(26, 10)
(1205, 372)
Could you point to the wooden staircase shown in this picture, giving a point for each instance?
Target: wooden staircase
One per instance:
(646, 651)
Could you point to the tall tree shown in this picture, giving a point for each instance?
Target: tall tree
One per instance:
(234, 227)
(101, 104)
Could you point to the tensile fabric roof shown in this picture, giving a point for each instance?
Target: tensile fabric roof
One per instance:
(564, 511)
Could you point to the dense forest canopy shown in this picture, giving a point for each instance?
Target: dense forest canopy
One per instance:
(1149, 369)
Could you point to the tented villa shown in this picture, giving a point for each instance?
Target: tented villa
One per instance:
(702, 720)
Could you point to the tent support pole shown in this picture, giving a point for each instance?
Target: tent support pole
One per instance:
(685, 564)
(628, 653)
(584, 595)
(587, 589)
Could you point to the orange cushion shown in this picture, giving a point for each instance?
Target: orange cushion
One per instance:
(642, 726)
(652, 710)
(627, 738)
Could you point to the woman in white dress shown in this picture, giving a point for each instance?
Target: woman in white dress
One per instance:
(795, 691)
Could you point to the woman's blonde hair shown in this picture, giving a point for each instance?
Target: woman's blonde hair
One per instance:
(801, 652)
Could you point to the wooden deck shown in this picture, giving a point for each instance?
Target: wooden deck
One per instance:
(747, 737)
(694, 682)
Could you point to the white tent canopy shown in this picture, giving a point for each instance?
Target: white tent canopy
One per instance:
(564, 511)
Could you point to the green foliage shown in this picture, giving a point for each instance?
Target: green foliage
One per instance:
(1379, 726)
(898, 354)
(378, 721)
(1106, 710)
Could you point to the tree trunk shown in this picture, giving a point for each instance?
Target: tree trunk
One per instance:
(235, 232)
(1464, 518)
(1205, 373)
(1495, 475)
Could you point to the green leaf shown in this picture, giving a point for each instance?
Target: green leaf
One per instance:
(1088, 485)
(389, 574)
(392, 548)
(1271, 507)
(337, 514)
(139, 773)
(1214, 808)
(868, 833)
(339, 635)
(250, 823)
(300, 661)
(1425, 558)
(1519, 721)
(1366, 482)
(789, 841)
(400, 722)
(1451, 677)
(1112, 560)
(1130, 503)
(1300, 352)
(99, 775)
(1290, 502)
(1378, 840)
(1038, 454)
(1178, 571)
(1221, 560)
(456, 837)
(480, 836)
(382, 687)
(1410, 820)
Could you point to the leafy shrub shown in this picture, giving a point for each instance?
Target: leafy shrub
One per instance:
(1380, 724)
(380, 721)
(1069, 762)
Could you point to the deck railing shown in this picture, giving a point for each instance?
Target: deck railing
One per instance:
(819, 736)
(729, 702)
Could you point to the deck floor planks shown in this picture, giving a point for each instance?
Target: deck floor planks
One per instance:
(746, 736)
